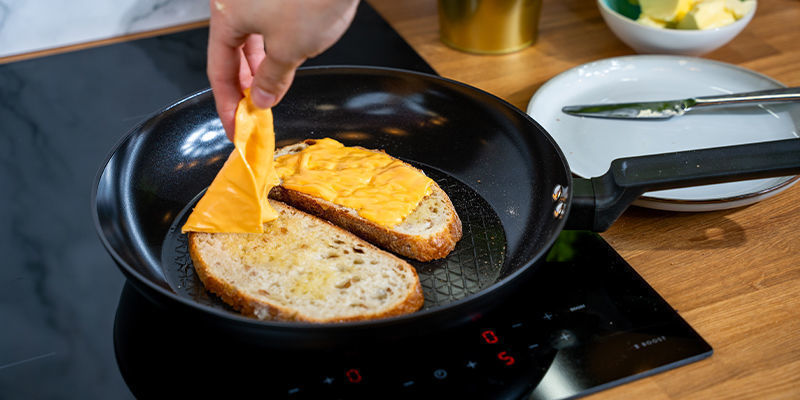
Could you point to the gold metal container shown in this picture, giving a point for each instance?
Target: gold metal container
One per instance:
(489, 26)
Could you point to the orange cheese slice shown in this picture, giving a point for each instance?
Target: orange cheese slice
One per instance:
(236, 201)
(380, 188)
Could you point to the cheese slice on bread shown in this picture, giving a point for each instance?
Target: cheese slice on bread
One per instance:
(430, 231)
(236, 200)
(302, 268)
(270, 260)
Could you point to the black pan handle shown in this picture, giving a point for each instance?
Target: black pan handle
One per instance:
(599, 201)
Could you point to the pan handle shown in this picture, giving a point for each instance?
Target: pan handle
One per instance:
(599, 201)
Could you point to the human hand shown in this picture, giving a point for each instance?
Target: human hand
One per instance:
(260, 43)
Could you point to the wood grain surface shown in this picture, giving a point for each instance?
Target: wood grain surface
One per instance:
(734, 275)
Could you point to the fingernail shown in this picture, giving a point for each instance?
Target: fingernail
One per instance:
(261, 98)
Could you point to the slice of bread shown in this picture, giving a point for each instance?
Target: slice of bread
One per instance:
(304, 269)
(430, 232)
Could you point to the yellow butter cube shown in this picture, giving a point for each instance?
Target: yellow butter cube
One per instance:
(651, 22)
(739, 8)
(665, 10)
(708, 14)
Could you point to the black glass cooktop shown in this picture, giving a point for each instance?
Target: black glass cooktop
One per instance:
(584, 322)
(72, 328)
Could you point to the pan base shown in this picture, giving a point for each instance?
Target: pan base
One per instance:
(474, 264)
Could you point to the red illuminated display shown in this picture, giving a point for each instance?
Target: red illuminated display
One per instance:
(353, 376)
(504, 356)
(489, 336)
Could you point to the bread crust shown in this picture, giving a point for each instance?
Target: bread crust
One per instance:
(261, 308)
(435, 245)
(422, 248)
(429, 245)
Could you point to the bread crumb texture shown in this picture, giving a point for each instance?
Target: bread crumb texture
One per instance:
(303, 268)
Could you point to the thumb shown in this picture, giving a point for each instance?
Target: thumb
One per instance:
(272, 81)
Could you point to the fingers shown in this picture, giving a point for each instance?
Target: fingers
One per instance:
(245, 74)
(254, 52)
(272, 80)
(224, 61)
(295, 30)
(306, 30)
(251, 57)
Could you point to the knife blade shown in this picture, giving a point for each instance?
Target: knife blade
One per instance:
(664, 109)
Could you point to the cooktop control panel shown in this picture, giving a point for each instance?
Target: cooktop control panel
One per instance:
(586, 321)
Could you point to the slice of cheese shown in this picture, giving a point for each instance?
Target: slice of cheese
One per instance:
(380, 188)
(236, 201)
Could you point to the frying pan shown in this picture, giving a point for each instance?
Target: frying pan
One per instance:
(508, 180)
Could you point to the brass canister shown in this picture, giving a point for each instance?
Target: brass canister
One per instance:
(489, 26)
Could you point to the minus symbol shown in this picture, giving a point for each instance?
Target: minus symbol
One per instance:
(407, 384)
(517, 325)
(533, 346)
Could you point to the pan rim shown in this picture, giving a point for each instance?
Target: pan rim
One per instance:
(140, 282)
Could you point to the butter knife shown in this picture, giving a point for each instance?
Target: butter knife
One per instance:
(671, 108)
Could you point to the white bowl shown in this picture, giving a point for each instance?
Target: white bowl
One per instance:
(650, 40)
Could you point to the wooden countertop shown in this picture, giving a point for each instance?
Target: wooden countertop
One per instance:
(734, 275)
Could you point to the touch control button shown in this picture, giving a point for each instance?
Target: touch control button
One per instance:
(563, 339)
(353, 375)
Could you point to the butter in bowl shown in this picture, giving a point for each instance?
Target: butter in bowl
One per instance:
(688, 27)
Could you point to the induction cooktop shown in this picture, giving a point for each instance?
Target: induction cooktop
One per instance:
(585, 321)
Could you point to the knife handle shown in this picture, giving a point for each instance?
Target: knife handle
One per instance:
(782, 95)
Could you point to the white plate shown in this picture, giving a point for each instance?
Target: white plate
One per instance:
(590, 144)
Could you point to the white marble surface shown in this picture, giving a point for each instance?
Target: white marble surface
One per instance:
(32, 25)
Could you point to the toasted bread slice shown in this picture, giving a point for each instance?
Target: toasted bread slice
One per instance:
(304, 269)
(430, 232)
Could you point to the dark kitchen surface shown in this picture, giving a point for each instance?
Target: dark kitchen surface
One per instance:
(584, 323)
(60, 115)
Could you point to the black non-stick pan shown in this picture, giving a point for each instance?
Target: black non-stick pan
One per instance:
(506, 176)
